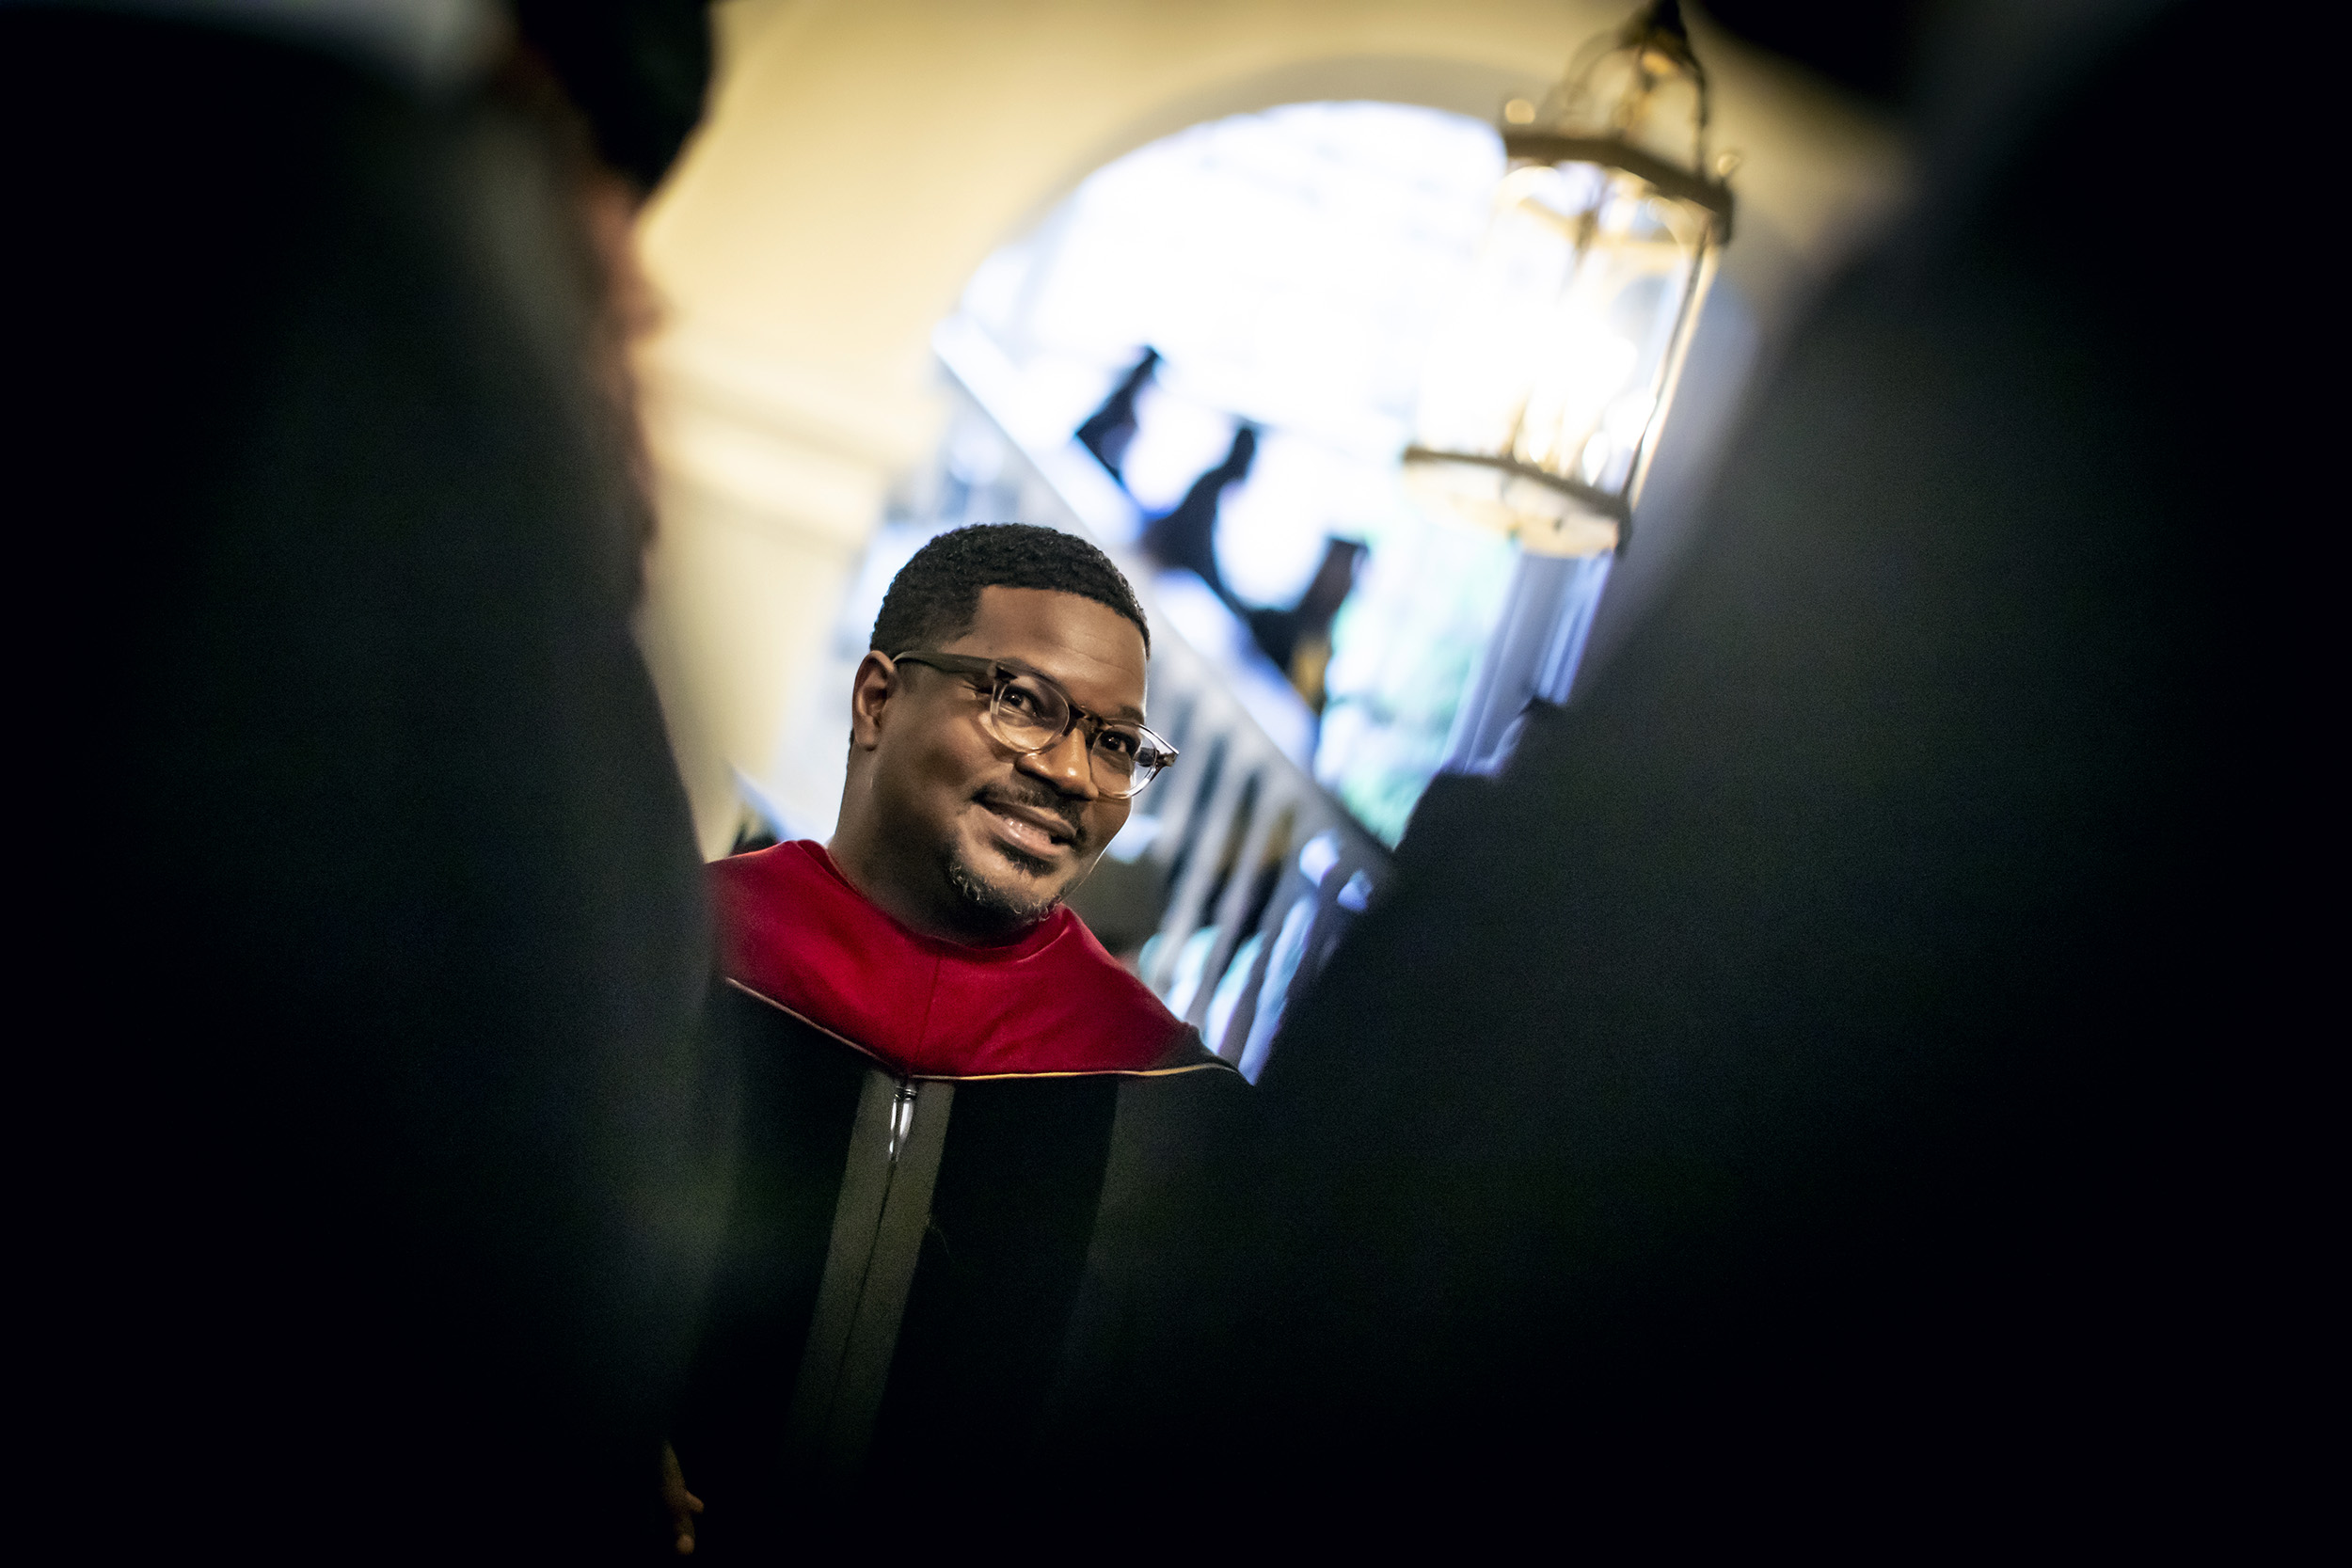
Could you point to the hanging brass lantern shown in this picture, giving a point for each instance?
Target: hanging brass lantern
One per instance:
(1549, 380)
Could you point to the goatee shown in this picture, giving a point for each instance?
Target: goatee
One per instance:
(1002, 907)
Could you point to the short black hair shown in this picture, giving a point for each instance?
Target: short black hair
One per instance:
(936, 596)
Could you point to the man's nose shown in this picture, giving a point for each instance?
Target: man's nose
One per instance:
(1066, 765)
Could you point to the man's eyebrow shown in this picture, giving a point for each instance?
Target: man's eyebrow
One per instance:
(1126, 712)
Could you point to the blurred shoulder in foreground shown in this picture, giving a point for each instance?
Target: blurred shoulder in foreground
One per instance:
(365, 880)
(1773, 1076)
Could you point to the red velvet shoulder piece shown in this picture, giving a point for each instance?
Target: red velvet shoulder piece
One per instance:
(793, 931)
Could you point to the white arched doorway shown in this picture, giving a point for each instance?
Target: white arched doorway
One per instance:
(860, 161)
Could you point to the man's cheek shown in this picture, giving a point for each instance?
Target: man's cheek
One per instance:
(950, 775)
(1102, 825)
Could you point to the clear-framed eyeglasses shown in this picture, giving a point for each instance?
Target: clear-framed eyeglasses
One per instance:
(1030, 713)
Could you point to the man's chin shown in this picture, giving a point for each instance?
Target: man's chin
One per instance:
(1005, 885)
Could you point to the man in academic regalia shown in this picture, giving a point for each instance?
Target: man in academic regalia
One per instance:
(936, 1045)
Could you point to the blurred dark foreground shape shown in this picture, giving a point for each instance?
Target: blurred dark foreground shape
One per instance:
(382, 1163)
(1769, 1092)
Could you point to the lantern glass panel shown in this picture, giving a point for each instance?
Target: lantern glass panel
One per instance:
(1550, 377)
(1556, 362)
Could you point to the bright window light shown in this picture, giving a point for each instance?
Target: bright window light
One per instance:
(1291, 268)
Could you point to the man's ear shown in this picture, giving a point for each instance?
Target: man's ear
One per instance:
(877, 682)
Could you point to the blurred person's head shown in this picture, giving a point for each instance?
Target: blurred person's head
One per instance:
(946, 825)
(619, 86)
(635, 70)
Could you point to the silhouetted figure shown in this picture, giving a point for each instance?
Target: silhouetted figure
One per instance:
(1298, 639)
(1812, 1064)
(384, 1169)
(1186, 535)
(1110, 429)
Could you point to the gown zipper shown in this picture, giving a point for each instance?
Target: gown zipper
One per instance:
(880, 1220)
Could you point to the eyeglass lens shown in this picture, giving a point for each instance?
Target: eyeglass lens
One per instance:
(1029, 715)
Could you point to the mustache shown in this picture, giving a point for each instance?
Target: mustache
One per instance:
(1040, 798)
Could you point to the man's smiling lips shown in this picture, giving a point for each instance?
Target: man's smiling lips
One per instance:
(1038, 832)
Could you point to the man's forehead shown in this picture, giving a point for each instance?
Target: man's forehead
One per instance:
(1092, 649)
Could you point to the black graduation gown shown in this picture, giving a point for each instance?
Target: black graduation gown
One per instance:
(903, 1263)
